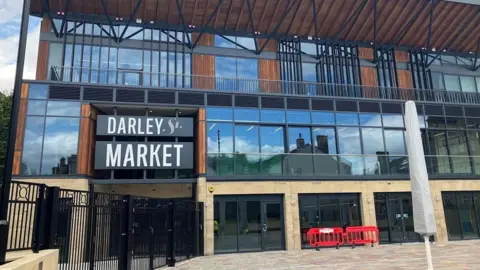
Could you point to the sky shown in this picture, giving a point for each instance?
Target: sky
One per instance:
(10, 17)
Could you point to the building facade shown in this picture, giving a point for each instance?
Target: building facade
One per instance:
(278, 115)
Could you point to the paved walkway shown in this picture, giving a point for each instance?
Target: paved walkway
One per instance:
(452, 255)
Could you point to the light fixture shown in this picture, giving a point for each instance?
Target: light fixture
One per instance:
(212, 126)
(250, 128)
(139, 20)
(278, 129)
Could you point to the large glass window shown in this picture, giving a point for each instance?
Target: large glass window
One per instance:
(351, 161)
(468, 84)
(462, 214)
(457, 143)
(234, 42)
(300, 159)
(247, 148)
(374, 150)
(236, 74)
(452, 83)
(439, 152)
(32, 146)
(273, 148)
(220, 148)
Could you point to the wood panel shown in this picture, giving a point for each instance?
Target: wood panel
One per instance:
(204, 69)
(401, 56)
(405, 82)
(269, 74)
(365, 53)
(20, 133)
(45, 25)
(86, 144)
(205, 39)
(369, 78)
(42, 61)
(201, 163)
(270, 47)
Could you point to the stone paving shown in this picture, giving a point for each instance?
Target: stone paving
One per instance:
(451, 255)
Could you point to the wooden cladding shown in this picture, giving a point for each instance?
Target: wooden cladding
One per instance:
(86, 143)
(201, 163)
(204, 71)
(205, 39)
(42, 61)
(270, 47)
(45, 25)
(365, 53)
(401, 56)
(269, 75)
(20, 133)
(369, 78)
(406, 84)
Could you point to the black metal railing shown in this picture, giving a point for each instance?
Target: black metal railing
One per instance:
(103, 231)
(245, 85)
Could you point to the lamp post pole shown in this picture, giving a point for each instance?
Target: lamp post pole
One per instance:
(8, 166)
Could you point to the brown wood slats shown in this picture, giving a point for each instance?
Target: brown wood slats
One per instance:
(204, 69)
(393, 16)
(20, 133)
(369, 78)
(365, 53)
(405, 82)
(42, 61)
(270, 47)
(205, 39)
(201, 143)
(401, 56)
(86, 144)
(269, 72)
(45, 25)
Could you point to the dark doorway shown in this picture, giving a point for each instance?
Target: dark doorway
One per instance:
(394, 215)
(248, 223)
(462, 214)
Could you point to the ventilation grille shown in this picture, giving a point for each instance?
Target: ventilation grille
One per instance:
(98, 94)
(131, 96)
(298, 103)
(391, 108)
(64, 92)
(219, 100)
(246, 101)
(271, 102)
(322, 104)
(165, 97)
(191, 99)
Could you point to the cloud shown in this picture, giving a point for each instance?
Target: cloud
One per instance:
(9, 10)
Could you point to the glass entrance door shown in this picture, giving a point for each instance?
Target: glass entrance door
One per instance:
(248, 223)
(395, 217)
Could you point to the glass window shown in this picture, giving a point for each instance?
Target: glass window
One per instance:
(220, 138)
(38, 91)
(36, 107)
(437, 80)
(309, 72)
(225, 67)
(247, 150)
(324, 141)
(371, 119)
(395, 142)
(299, 140)
(273, 116)
(392, 120)
(457, 143)
(298, 117)
(226, 229)
(247, 115)
(63, 108)
(451, 216)
(246, 42)
(224, 43)
(468, 84)
(349, 140)
(373, 141)
(477, 79)
(220, 114)
(247, 68)
(32, 146)
(60, 146)
(55, 60)
(323, 118)
(452, 83)
(309, 48)
(474, 141)
(438, 150)
(130, 59)
(273, 149)
(344, 118)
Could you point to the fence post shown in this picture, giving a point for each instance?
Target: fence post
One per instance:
(125, 256)
(171, 234)
(38, 228)
(51, 214)
(92, 225)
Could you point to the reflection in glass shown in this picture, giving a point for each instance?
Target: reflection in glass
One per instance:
(298, 117)
(219, 114)
(376, 165)
(468, 84)
(329, 212)
(452, 220)
(323, 118)
(130, 59)
(455, 122)
(438, 147)
(452, 83)
(250, 226)
(247, 147)
(392, 120)
(351, 165)
(347, 118)
(300, 160)
(225, 226)
(468, 218)
(324, 141)
(36, 107)
(457, 143)
(37, 91)
(474, 141)
(398, 165)
(395, 142)
(247, 115)
(273, 116)
(371, 119)
(60, 146)
(32, 146)
(349, 140)
(373, 141)
(273, 149)
(219, 148)
(63, 108)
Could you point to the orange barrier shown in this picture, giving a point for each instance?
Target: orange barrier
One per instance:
(361, 235)
(325, 237)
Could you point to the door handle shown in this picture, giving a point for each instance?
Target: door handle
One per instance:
(265, 227)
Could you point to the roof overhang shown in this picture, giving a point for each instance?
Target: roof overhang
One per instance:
(452, 26)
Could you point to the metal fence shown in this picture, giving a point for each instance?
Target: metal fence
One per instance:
(245, 85)
(103, 231)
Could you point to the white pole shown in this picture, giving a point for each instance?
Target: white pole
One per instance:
(428, 251)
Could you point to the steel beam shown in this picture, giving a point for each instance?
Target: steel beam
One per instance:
(115, 38)
(182, 21)
(132, 16)
(275, 29)
(46, 9)
(314, 6)
(429, 37)
(250, 15)
(353, 18)
(208, 22)
(412, 20)
(64, 19)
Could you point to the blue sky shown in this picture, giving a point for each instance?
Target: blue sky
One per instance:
(10, 16)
